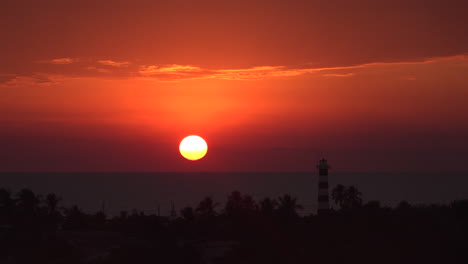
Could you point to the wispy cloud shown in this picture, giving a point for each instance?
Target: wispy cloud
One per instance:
(34, 80)
(168, 69)
(114, 63)
(6, 78)
(255, 73)
(173, 72)
(183, 72)
(338, 74)
(60, 61)
(179, 72)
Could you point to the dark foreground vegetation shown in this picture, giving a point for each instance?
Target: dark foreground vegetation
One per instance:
(36, 229)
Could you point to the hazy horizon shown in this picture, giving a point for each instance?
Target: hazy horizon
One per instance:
(127, 191)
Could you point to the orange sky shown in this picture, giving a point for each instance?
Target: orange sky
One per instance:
(271, 85)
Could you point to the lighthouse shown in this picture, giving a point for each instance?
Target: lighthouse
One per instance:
(323, 199)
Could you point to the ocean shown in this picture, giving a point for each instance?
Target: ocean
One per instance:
(115, 192)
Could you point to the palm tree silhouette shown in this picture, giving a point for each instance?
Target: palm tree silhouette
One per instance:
(52, 201)
(353, 197)
(234, 204)
(238, 205)
(338, 195)
(347, 197)
(54, 217)
(288, 206)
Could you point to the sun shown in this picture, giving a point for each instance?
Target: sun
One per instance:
(193, 147)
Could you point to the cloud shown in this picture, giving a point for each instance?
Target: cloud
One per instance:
(256, 73)
(4, 78)
(174, 68)
(338, 74)
(177, 72)
(21, 81)
(60, 61)
(70, 67)
(114, 63)
(174, 72)
(183, 72)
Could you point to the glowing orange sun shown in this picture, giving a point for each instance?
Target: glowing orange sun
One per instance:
(193, 147)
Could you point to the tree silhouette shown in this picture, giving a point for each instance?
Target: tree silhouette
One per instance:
(249, 204)
(7, 206)
(54, 217)
(28, 202)
(338, 195)
(6, 201)
(268, 206)
(74, 218)
(52, 201)
(275, 233)
(239, 206)
(347, 197)
(97, 221)
(353, 197)
(288, 206)
(187, 213)
(234, 204)
(206, 208)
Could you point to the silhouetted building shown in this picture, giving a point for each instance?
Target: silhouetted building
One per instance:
(323, 197)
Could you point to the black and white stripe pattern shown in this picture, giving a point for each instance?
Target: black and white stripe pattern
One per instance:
(323, 199)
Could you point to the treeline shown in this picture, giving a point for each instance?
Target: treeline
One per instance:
(37, 229)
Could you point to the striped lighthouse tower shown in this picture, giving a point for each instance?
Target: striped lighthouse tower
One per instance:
(323, 199)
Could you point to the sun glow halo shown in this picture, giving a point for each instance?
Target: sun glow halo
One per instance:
(193, 147)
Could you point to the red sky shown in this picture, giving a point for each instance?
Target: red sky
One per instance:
(271, 85)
